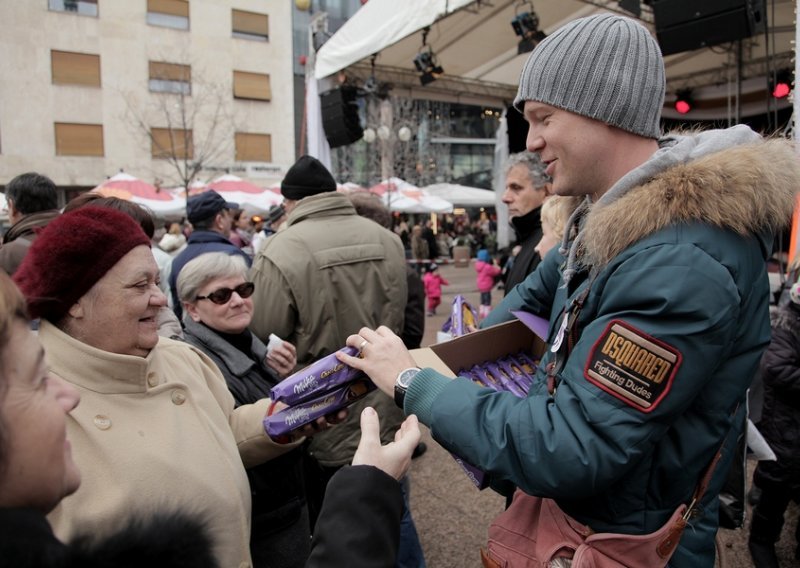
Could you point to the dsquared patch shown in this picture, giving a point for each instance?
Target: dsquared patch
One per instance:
(632, 366)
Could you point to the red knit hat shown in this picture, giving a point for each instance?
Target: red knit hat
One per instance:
(71, 254)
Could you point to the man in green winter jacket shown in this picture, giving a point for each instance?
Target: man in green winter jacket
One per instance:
(666, 256)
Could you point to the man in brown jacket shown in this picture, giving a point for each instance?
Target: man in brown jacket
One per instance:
(319, 280)
(32, 204)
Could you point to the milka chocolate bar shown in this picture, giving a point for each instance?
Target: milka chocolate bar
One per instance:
(528, 367)
(464, 317)
(514, 370)
(294, 417)
(486, 378)
(506, 379)
(319, 377)
(467, 374)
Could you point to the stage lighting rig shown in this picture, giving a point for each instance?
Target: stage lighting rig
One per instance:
(426, 63)
(526, 26)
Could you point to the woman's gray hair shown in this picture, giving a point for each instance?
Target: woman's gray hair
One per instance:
(206, 267)
(534, 165)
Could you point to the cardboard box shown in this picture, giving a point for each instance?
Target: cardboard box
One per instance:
(488, 344)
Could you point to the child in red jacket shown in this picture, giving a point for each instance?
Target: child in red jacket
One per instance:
(488, 272)
(433, 282)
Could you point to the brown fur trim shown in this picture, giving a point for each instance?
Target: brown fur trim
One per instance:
(745, 189)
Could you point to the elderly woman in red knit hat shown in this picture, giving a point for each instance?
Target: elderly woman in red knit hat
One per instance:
(156, 427)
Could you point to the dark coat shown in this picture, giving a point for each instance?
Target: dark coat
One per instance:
(780, 422)
(276, 486)
(414, 321)
(528, 228)
(175, 541)
(359, 527)
(20, 236)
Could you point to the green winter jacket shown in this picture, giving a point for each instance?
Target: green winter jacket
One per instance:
(667, 343)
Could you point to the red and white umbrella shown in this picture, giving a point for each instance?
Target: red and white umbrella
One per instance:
(124, 186)
(399, 195)
(240, 191)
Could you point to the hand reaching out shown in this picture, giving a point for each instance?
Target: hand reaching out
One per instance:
(393, 458)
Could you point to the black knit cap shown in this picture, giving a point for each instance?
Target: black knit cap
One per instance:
(305, 178)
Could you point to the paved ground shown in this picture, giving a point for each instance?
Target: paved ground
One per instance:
(452, 516)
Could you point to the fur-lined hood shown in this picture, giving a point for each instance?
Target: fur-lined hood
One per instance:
(748, 187)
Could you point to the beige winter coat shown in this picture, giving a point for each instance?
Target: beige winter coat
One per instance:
(157, 434)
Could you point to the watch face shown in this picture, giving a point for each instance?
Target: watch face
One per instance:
(406, 376)
(401, 384)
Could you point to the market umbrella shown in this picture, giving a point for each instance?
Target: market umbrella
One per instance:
(124, 186)
(462, 195)
(248, 195)
(404, 197)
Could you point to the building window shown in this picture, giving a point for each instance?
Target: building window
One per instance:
(171, 143)
(170, 78)
(79, 139)
(253, 147)
(168, 13)
(70, 68)
(251, 86)
(81, 7)
(249, 25)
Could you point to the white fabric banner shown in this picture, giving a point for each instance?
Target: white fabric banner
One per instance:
(500, 157)
(317, 143)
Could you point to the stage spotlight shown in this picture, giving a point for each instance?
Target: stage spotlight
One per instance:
(425, 62)
(782, 85)
(684, 101)
(526, 26)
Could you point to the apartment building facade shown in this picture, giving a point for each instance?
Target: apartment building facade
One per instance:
(154, 88)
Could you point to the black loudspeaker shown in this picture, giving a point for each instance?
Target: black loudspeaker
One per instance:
(517, 130)
(340, 116)
(684, 25)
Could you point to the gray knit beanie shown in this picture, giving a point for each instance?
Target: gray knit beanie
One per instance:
(604, 67)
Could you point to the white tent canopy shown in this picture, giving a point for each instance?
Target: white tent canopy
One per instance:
(351, 44)
(462, 195)
(401, 196)
(475, 41)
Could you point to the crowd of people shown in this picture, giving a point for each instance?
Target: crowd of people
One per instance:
(131, 417)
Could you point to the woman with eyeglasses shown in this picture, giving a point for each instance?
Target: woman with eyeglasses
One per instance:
(217, 308)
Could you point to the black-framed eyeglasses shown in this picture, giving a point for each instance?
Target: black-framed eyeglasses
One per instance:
(223, 295)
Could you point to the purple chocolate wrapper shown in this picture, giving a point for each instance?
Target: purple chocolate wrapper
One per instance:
(505, 379)
(486, 378)
(514, 370)
(319, 377)
(296, 416)
(478, 477)
(462, 316)
(467, 374)
(529, 366)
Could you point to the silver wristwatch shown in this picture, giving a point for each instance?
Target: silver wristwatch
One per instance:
(401, 384)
